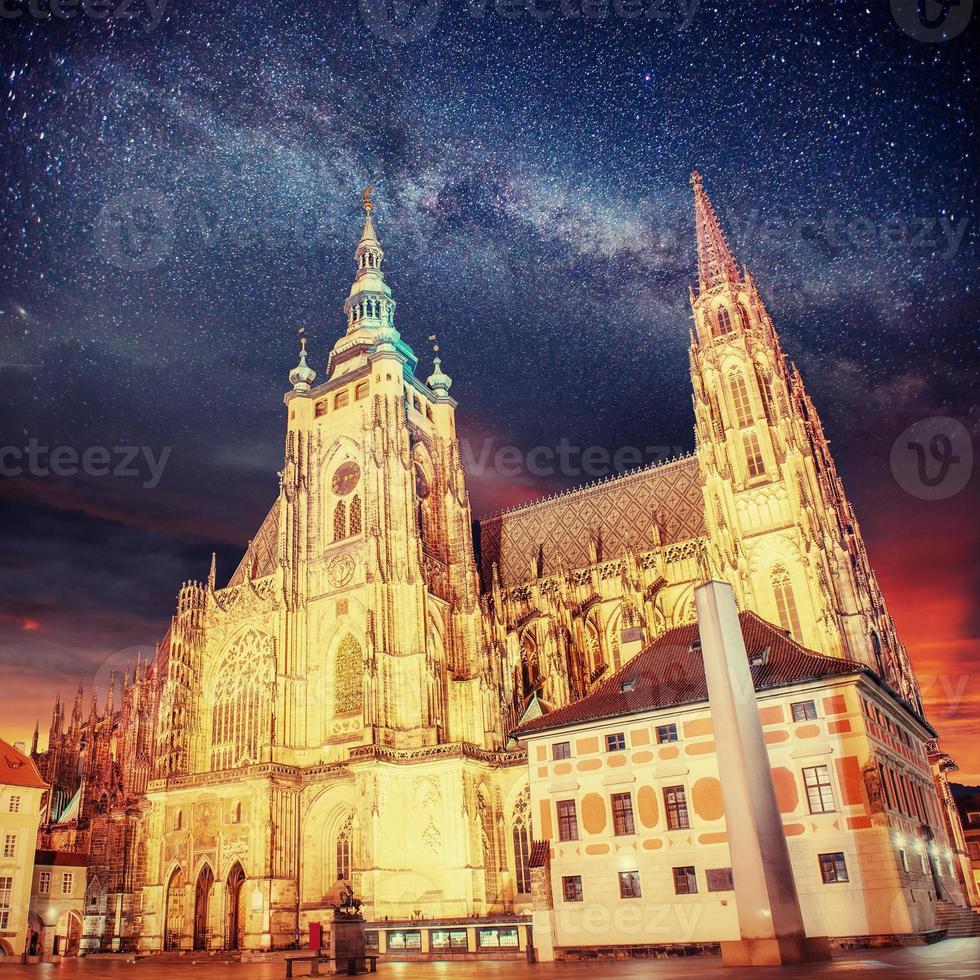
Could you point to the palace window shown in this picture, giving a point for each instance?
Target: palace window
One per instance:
(904, 858)
(347, 675)
(448, 939)
(629, 884)
(6, 891)
(833, 867)
(803, 710)
(571, 888)
(498, 937)
(341, 399)
(622, 812)
(44, 883)
(667, 733)
(9, 845)
(67, 882)
(567, 820)
(561, 750)
(14, 806)
(785, 602)
(819, 791)
(740, 399)
(675, 806)
(719, 879)
(754, 463)
(616, 742)
(685, 881)
(361, 391)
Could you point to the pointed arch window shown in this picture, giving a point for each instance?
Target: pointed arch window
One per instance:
(723, 321)
(343, 850)
(740, 399)
(754, 463)
(340, 521)
(240, 712)
(355, 515)
(785, 601)
(347, 671)
(522, 847)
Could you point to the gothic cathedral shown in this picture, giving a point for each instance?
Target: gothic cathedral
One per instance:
(341, 709)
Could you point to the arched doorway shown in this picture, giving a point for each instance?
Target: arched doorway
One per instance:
(236, 908)
(68, 934)
(174, 928)
(202, 902)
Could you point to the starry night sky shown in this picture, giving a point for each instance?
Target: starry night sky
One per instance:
(534, 205)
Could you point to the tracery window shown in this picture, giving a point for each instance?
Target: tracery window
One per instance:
(343, 850)
(239, 716)
(785, 601)
(754, 463)
(340, 521)
(347, 674)
(522, 846)
(355, 515)
(740, 399)
(724, 321)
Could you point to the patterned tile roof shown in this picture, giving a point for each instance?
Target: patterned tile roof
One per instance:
(670, 672)
(17, 769)
(61, 859)
(261, 555)
(622, 511)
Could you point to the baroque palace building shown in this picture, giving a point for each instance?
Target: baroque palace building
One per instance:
(342, 708)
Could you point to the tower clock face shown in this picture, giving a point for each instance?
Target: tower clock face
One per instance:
(345, 479)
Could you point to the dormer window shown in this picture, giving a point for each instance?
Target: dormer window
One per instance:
(626, 686)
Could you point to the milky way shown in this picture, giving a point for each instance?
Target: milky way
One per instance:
(182, 198)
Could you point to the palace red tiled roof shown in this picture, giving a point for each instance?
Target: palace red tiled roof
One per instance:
(61, 859)
(17, 769)
(670, 672)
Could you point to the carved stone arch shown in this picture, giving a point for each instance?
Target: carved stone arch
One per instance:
(520, 833)
(613, 628)
(683, 610)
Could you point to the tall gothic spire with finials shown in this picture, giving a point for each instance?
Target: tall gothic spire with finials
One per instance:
(716, 265)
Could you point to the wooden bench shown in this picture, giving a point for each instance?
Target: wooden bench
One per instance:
(315, 959)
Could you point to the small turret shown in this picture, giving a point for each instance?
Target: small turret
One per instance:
(302, 376)
(439, 381)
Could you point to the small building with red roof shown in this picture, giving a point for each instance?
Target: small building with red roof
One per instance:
(23, 802)
(632, 851)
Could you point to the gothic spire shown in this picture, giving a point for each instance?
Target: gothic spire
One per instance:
(370, 305)
(716, 265)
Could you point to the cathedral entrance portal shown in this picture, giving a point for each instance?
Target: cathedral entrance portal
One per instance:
(202, 902)
(236, 908)
(175, 911)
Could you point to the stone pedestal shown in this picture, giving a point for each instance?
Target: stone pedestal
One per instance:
(770, 921)
(347, 940)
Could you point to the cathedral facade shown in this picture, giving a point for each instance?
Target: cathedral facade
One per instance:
(341, 710)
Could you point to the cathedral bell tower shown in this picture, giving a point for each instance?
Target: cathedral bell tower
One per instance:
(780, 528)
(375, 536)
